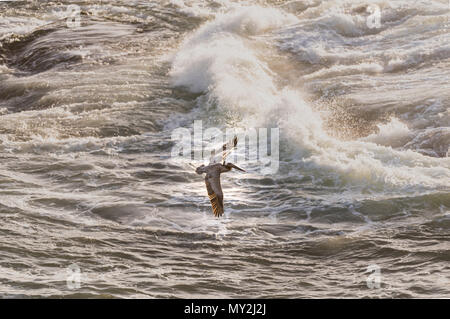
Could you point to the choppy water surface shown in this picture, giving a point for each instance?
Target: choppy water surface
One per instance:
(86, 116)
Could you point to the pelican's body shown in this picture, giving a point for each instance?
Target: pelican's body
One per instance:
(212, 180)
(213, 169)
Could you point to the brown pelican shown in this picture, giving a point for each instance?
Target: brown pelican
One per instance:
(212, 178)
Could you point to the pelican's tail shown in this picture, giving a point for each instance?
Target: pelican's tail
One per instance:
(234, 166)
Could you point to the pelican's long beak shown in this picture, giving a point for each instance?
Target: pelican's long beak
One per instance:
(234, 166)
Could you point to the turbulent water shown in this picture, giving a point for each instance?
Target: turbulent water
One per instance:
(88, 183)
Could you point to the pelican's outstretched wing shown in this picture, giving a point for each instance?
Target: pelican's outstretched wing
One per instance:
(221, 154)
(215, 194)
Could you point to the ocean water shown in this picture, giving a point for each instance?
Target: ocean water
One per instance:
(92, 204)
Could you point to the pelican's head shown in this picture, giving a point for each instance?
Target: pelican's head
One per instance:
(200, 170)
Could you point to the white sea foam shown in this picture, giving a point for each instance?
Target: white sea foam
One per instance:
(341, 70)
(191, 9)
(15, 25)
(221, 61)
(394, 133)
